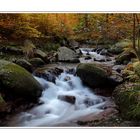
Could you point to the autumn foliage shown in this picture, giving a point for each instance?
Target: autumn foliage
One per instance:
(94, 26)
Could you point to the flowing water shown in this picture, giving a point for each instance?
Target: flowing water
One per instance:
(96, 57)
(54, 111)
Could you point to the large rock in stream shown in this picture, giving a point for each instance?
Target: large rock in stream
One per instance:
(16, 82)
(96, 75)
(67, 55)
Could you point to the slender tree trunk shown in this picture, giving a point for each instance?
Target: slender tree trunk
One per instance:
(134, 33)
(137, 49)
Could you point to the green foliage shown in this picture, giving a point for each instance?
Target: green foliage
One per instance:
(136, 66)
(98, 26)
(127, 98)
(51, 46)
(24, 30)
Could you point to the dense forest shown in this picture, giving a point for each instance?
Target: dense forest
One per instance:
(69, 69)
(99, 27)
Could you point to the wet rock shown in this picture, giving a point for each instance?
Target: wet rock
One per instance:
(11, 50)
(67, 98)
(49, 74)
(99, 60)
(71, 71)
(90, 102)
(45, 75)
(37, 62)
(106, 53)
(55, 71)
(88, 57)
(67, 78)
(78, 51)
(67, 55)
(25, 64)
(106, 91)
(40, 54)
(53, 57)
(16, 82)
(94, 75)
(96, 119)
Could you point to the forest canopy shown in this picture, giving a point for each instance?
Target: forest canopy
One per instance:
(94, 26)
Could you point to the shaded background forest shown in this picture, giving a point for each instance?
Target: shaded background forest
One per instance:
(98, 27)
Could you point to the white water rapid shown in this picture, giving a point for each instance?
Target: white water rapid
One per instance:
(88, 51)
(54, 111)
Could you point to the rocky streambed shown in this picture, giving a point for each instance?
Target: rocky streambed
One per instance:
(75, 91)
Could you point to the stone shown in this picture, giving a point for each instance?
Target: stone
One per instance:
(16, 82)
(47, 73)
(124, 58)
(37, 62)
(41, 54)
(88, 57)
(67, 98)
(25, 64)
(73, 44)
(11, 50)
(67, 55)
(95, 75)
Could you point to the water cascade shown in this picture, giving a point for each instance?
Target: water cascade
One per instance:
(55, 109)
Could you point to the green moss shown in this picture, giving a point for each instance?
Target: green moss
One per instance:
(17, 81)
(93, 68)
(49, 46)
(127, 97)
(93, 75)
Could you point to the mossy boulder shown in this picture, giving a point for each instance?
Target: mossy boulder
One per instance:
(127, 97)
(16, 82)
(115, 50)
(96, 75)
(119, 46)
(124, 58)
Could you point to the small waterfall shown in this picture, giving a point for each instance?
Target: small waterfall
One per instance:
(89, 51)
(55, 111)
